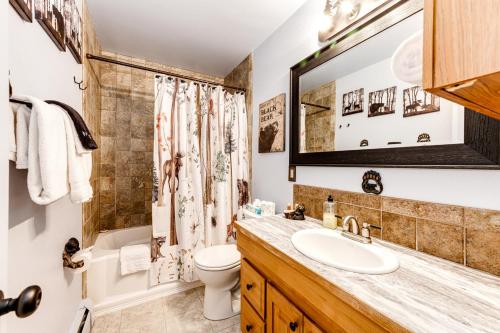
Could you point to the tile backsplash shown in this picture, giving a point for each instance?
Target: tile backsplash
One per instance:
(467, 236)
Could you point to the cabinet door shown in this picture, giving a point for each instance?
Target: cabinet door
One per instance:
(250, 320)
(310, 327)
(281, 315)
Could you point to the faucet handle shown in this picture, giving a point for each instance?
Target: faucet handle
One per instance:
(365, 230)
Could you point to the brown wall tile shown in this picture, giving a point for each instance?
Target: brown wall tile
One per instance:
(483, 250)
(482, 219)
(459, 234)
(399, 229)
(441, 240)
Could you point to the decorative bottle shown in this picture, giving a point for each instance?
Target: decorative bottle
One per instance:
(329, 212)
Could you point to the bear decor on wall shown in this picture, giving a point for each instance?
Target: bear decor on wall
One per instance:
(272, 125)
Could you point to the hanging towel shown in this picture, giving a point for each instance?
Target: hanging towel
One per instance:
(12, 134)
(135, 258)
(20, 120)
(86, 139)
(79, 165)
(47, 153)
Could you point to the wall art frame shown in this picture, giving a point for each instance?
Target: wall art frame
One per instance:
(50, 15)
(24, 8)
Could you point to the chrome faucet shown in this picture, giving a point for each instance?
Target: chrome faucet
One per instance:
(350, 222)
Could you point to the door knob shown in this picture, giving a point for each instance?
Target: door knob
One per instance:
(293, 326)
(248, 327)
(27, 302)
(249, 286)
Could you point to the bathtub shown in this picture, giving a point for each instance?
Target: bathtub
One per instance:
(107, 288)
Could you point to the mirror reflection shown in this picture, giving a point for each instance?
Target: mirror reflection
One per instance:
(355, 101)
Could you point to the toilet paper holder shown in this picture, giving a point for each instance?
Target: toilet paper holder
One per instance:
(71, 247)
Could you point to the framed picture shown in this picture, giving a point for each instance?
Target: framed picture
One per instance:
(382, 102)
(416, 101)
(272, 125)
(73, 26)
(24, 8)
(49, 13)
(352, 102)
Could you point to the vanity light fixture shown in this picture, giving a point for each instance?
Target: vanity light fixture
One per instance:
(338, 9)
(342, 17)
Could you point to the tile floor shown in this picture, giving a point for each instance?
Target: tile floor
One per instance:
(179, 313)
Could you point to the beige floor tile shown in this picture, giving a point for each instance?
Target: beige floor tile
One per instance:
(222, 325)
(232, 329)
(109, 323)
(179, 313)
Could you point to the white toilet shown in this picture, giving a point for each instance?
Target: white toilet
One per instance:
(218, 267)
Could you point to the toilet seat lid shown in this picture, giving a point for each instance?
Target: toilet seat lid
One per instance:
(218, 257)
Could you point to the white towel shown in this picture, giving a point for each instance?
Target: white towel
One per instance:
(47, 144)
(12, 134)
(20, 120)
(135, 258)
(47, 153)
(79, 165)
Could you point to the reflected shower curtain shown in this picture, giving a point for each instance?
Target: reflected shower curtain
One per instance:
(200, 173)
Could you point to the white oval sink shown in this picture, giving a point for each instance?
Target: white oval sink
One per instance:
(331, 248)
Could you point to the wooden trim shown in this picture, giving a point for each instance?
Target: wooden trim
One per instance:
(428, 57)
(331, 308)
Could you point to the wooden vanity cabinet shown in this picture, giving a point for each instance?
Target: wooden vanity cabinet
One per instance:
(462, 53)
(265, 309)
(279, 295)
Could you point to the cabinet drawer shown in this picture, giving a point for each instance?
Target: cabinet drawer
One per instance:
(250, 320)
(253, 287)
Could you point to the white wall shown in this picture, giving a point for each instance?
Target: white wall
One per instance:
(289, 44)
(4, 164)
(37, 234)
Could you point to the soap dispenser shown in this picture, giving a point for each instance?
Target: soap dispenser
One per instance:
(329, 212)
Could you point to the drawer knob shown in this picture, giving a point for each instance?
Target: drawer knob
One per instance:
(249, 286)
(248, 327)
(293, 326)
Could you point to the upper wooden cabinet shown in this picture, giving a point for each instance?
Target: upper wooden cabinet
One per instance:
(462, 52)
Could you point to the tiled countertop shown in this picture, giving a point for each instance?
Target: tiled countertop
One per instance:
(426, 294)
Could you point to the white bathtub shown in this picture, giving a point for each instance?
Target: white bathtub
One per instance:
(107, 288)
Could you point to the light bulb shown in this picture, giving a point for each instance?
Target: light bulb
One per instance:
(346, 6)
(326, 22)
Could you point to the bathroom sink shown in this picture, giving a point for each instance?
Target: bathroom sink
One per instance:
(331, 248)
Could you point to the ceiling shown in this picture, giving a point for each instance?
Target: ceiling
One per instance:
(207, 36)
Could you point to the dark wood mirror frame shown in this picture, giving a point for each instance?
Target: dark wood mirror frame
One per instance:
(481, 147)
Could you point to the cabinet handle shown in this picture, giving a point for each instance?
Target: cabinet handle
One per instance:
(248, 327)
(293, 326)
(249, 286)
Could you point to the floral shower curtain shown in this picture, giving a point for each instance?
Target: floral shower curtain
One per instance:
(200, 173)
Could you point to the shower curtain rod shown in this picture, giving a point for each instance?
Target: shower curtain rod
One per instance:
(151, 69)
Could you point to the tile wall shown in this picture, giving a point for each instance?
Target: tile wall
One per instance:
(320, 122)
(241, 76)
(468, 236)
(92, 116)
(127, 108)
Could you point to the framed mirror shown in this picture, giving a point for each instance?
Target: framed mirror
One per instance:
(348, 108)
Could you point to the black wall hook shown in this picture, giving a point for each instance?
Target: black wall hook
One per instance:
(79, 83)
